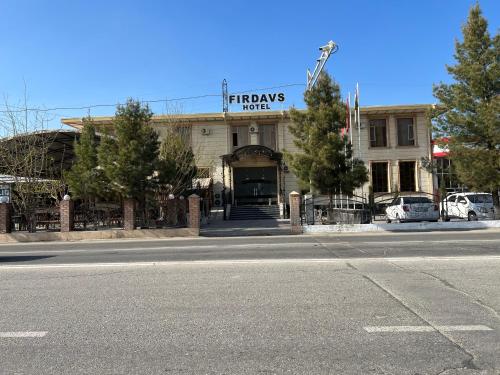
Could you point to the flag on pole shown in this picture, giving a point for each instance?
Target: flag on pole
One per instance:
(347, 117)
(357, 118)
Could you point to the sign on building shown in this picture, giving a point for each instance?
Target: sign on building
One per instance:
(5, 193)
(256, 102)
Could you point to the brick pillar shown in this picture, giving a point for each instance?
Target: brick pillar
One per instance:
(295, 223)
(66, 214)
(5, 212)
(194, 212)
(172, 211)
(129, 214)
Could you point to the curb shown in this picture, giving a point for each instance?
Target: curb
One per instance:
(402, 227)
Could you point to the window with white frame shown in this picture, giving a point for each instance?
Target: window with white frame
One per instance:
(378, 133)
(239, 136)
(267, 136)
(406, 133)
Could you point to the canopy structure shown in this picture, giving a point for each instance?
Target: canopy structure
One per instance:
(252, 150)
(58, 146)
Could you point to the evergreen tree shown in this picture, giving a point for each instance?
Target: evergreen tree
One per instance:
(129, 156)
(84, 178)
(326, 161)
(468, 109)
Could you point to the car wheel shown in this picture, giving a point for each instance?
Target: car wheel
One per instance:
(472, 216)
(387, 220)
(397, 219)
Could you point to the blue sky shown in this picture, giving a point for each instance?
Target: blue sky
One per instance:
(78, 53)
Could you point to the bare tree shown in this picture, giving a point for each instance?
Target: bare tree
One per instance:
(26, 161)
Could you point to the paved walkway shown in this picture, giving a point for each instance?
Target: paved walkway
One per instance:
(217, 227)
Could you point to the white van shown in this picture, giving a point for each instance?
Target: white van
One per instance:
(470, 206)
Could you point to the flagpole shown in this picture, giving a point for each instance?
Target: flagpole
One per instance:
(359, 132)
(358, 122)
(350, 116)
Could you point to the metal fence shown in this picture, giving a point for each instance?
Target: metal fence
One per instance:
(342, 209)
(355, 209)
(96, 216)
(43, 217)
(169, 213)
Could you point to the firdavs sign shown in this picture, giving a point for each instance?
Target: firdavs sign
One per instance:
(257, 102)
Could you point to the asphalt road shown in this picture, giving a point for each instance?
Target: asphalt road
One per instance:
(485, 242)
(371, 304)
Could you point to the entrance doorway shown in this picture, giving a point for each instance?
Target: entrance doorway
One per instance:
(255, 185)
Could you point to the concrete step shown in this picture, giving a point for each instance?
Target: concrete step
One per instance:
(254, 212)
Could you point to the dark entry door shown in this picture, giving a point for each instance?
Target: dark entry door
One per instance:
(407, 176)
(255, 185)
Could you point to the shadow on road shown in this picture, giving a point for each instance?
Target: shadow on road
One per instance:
(22, 258)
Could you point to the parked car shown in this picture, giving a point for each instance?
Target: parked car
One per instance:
(411, 209)
(470, 206)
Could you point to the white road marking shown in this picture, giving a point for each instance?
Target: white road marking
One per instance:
(23, 334)
(399, 329)
(464, 328)
(376, 329)
(249, 261)
(451, 240)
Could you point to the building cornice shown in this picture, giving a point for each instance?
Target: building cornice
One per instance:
(224, 117)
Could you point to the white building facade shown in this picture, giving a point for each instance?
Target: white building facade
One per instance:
(243, 152)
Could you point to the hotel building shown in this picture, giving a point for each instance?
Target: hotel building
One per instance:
(242, 152)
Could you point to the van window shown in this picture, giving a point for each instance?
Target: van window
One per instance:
(480, 198)
(461, 200)
(452, 198)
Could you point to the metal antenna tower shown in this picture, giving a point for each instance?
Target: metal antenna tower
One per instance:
(326, 51)
(225, 97)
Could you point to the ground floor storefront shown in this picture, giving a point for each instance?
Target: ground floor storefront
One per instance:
(253, 176)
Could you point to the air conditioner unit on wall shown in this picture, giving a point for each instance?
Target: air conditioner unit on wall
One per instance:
(205, 131)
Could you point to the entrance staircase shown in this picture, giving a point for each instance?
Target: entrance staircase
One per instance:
(255, 212)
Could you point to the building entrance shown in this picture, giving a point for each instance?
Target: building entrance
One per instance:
(255, 185)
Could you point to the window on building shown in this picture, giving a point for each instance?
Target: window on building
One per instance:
(267, 136)
(184, 131)
(406, 135)
(202, 172)
(239, 136)
(379, 177)
(378, 133)
(407, 176)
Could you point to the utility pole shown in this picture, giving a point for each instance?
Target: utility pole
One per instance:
(326, 51)
(225, 97)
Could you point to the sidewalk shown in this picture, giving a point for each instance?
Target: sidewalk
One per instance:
(422, 226)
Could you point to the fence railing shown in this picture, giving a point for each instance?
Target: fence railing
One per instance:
(340, 209)
(43, 218)
(171, 213)
(98, 216)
